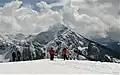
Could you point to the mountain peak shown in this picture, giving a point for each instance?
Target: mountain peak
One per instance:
(45, 37)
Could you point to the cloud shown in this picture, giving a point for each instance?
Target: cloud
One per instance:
(24, 19)
(92, 20)
(43, 5)
(87, 17)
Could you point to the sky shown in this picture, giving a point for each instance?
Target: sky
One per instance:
(91, 18)
(33, 2)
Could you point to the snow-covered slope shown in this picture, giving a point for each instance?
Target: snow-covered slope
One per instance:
(59, 66)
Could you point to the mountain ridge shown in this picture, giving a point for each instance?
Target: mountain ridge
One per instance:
(60, 36)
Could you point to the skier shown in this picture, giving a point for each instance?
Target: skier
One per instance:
(13, 56)
(18, 55)
(51, 51)
(65, 52)
(44, 49)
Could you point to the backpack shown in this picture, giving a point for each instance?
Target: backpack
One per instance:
(65, 51)
(13, 54)
(18, 54)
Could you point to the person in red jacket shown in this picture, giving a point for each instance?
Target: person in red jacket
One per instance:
(65, 52)
(52, 52)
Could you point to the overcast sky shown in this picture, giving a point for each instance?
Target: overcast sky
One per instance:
(91, 18)
(113, 10)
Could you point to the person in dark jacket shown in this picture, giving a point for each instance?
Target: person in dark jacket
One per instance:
(52, 52)
(18, 55)
(13, 56)
(65, 52)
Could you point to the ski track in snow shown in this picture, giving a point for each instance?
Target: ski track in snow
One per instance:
(59, 66)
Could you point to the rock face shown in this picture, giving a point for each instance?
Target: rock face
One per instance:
(59, 37)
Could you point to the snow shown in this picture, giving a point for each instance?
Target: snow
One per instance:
(81, 42)
(82, 48)
(59, 66)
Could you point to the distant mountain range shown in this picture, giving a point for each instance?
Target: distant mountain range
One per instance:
(114, 45)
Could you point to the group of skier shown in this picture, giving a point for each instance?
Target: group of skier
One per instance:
(52, 53)
(17, 56)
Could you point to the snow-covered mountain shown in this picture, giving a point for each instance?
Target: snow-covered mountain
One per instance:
(47, 36)
(59, 36)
